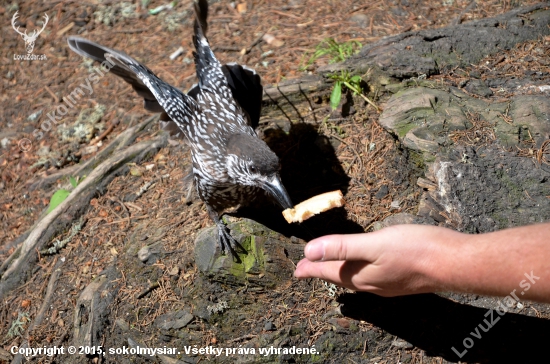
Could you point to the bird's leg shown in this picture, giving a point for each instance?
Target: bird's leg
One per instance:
(225, 240)
(191, 189)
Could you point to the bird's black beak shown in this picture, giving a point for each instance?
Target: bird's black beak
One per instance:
(275, 187)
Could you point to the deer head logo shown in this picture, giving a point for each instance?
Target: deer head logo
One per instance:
(29, 39)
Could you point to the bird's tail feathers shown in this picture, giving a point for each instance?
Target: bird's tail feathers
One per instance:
(207, 65)
(201, 14)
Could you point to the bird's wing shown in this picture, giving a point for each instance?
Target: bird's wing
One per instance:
(179, 107)
(246, 87)
(97, 52)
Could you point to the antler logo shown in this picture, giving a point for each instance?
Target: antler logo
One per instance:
(29, 39)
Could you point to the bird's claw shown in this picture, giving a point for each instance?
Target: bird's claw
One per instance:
(227, 241)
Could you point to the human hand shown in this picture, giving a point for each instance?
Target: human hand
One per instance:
(394, 261)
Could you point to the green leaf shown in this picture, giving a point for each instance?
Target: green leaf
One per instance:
(73, 181)
(58, 197)
(356, 79)
(336, 95)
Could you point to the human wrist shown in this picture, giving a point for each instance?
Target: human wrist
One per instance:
(446, 251)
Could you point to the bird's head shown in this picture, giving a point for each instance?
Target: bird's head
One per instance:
(250, 162)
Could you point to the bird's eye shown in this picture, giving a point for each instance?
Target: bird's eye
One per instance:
(252, 169)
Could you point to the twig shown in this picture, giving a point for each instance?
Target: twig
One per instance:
(285, 14)
(131, 31)
(122, 140)
(145, 187)
(458, 19)
(364, 7)
(109, 129)
(56, 99)
(254, 43)
(245, 337)
(148, 290)
(49, 293)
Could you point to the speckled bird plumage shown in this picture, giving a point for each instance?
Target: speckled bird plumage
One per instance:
(230, 163)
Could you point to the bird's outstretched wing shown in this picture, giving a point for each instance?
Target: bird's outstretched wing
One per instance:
(97, 52)
(245, 84)
(179, 107)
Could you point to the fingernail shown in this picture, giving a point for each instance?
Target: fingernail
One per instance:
(315, 251)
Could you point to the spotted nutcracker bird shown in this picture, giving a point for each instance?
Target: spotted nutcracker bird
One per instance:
(231, 164)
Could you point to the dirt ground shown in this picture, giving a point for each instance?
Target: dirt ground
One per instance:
(126, 215)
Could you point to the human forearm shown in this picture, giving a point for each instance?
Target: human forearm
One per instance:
(495, 263)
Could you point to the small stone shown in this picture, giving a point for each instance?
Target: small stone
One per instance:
(174, 271)
(360, 19)
(5, 142)
(144, 254)
(478, 87)
(342, 322)
(475, 74)
(122, 324)
(174, 320)
(34, 116)
(382, 192)
(269, 326)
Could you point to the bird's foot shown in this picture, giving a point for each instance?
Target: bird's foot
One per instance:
(227, 242)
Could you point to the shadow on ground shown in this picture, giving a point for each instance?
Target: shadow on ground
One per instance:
(309, 167)
(436, 325)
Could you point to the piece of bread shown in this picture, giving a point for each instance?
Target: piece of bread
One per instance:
(314, 206)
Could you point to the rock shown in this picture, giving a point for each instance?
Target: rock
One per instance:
(425, 119)
(430, 51)
(530, 116)
(476, 187)
(34, 116)
(122, 324)
(492, 190)
(94, 307)
(269, 326)
(5, 143)
(478, 87)
(174, 320)
(475, 74)
(148, 255)
(360, 19)
(268, 261)
(382, 192)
